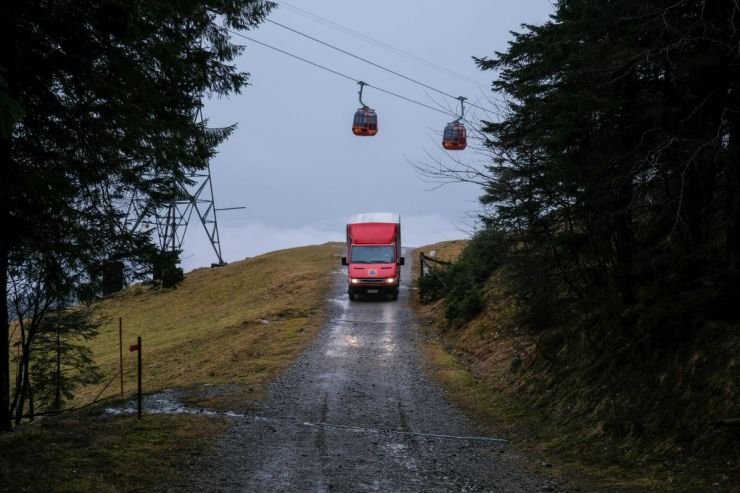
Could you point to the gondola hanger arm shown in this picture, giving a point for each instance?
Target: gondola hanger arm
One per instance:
(462, 107)
(362, 85)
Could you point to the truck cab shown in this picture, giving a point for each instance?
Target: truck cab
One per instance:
(373, 257)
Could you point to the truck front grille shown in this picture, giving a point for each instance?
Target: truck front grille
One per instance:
(371, 281)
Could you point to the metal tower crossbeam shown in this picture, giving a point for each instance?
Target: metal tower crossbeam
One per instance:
(170, 222)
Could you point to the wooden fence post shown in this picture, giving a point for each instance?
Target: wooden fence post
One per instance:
(120, 350)
(139, 398)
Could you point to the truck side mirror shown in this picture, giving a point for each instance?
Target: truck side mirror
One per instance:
(344, 260)
(401, 260)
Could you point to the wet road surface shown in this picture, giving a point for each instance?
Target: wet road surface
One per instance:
(357, 413)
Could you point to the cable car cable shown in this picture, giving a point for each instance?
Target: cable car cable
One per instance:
(292, 55)
(409, 99)
(391, 93)
(380, 44)
(370, 62)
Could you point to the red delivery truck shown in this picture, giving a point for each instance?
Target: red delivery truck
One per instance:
(374, 254)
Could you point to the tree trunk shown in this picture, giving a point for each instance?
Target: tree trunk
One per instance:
(58, 377)
(7, 34)
(18, 382)
(24, 384)
(30, 397)
(4, 340)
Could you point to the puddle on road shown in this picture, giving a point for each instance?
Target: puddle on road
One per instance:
(342, 344)
(342, 301)
(165, 402)
(395, 447)
(399, 452)
(388, 344)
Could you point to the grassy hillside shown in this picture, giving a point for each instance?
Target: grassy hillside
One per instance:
(237, 324)
(221, 336)
(489, 366)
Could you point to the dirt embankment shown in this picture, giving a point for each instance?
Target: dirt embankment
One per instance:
(488, 366)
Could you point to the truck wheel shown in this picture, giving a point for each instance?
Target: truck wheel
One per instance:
(352, 295)
(394, 294)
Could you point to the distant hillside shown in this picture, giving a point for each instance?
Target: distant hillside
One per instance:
(237, 324)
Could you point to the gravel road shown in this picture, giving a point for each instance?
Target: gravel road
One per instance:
(357, 413)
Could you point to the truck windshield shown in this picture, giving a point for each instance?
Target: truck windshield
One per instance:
(372, 254)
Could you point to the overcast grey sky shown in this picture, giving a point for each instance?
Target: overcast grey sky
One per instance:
(294, 163)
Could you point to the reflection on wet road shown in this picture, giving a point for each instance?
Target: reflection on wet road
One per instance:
(356, 413)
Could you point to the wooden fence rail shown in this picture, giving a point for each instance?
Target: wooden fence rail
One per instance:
(429, 265)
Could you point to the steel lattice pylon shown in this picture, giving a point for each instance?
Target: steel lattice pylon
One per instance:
(170, 222)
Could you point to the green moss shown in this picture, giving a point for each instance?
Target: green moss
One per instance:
(83, 452)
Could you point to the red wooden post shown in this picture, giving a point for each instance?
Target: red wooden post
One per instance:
(139, 403)
(120, 349)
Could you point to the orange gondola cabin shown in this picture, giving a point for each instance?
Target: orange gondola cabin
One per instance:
(455, 137)
(365, 122)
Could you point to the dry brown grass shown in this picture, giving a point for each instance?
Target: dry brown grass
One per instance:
(483, 366)
(233, 328)
(473, 364)
(444, 250)
(238, 324)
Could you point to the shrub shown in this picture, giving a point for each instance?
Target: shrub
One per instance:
(460, 284)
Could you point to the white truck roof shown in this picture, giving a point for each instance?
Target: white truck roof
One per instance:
(376, 217)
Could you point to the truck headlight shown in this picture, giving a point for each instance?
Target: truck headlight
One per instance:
(355, 281)
(390, 280)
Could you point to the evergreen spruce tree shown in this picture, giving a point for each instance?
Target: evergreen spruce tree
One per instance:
(616, 179)
(97, 99)
(616, 170)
